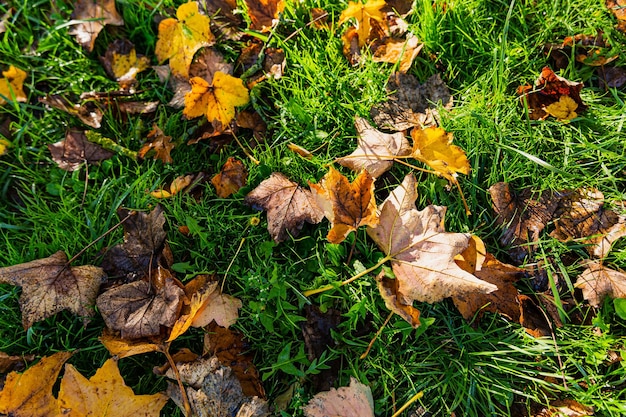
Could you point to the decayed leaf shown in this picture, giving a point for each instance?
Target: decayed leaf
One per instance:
(75, 150)
(590, 50)
(13, 363)
(214, 391)
(376, 150)
(160, 143)
(422, 252)
(96, 14)
(217, 100)
(105, 394)
(288, 206)
(224, 20)
(402, 51)
(548, 89)
(433, 146)
(346, 205)
(179, 40)
(30, 394)
(124, 348)
(176, 186)
(411, 103)
(264, 13)
(388, 289)
(363, 13)
(352, 401)
(50, 285)
(319, 18)
(612, 77)
(122, 63)
(230, 179)
(11, 85)
(598, 282)
(89, 112)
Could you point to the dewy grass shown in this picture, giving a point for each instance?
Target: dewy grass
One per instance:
(484, 50)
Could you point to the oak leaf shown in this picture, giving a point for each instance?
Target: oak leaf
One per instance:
(11, 85)
(96, 14)
(105, 394)
(230, 179)
(217, 101)
(598, 282)
(400, 51)
(160, 144)
(288, 206)
(264, 13)
(433, 146)
(50, 285)
(346, 205)
(376, 150)
(30, 394)
(70, 154)
(355, 400)
(363, 13)
(122, 63)
(179, 40)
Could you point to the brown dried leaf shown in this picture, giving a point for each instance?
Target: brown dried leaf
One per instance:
(316, 331)
(13, 363)
(223, 20)
(612, 77)
(90, 113)
(96, 14)
(122, 63)
(618, 7)
(264, 13)
(598, 282)
(355, 400)
(288, 206)
(402, 51)
(319, 17)
(221, 308)
(389, 292)
(50, 285)
(376, 150)
(230, 179)
(75, 150)
(160, 143)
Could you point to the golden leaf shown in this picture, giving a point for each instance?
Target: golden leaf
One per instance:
(11, 85)
(564, 109)
(433, 146)
(363, 13)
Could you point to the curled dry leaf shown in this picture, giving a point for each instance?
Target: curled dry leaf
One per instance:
(388, 289)
(177, 185)
(95, 15)
(90, 113)
(75, 150)
(230, 179)
(264, 13)
(363, 14)
(346, 205)
(400, 51)
(160, 144)
(376, 150)
(288, 206)
(598, 282)
(106, 390)
(124, 348)
(355, 400)
(122, 63)
(50, 285)
(11, 85)
(4, 20)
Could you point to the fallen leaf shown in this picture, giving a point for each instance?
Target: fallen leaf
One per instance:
(400, 51)
(388, 289)
(612, 77)
(10, 363)
(160, 144)
(317, 334)
(230, 179)
(122, 63)
(433, 146)
(252, 120)
(179, 40)
(363, 13)
(95, 15)
(89, 112)
(264, 13)
(618, 8)
(410, 103)
(5, 19)
(104, 394)
(218, 307)
(288, 206)
(208, 62)
(30, 394)
(217, 101)
(4, 146)
(351, 49)
(11, 85)
(49, 285)
(76, 150)
(376, 150)
(598, 282)
(319, 18)
(124, 348)
(567, 408)
(473, 257)
(176, 186)
(591, 50)
(300, 150)
(564, 109)
(224, 19)
(548, 89)
(352, 401)
(346, 205)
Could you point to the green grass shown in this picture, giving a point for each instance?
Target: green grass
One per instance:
(485, 50)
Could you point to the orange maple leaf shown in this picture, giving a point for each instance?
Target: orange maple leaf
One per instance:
(363, 13)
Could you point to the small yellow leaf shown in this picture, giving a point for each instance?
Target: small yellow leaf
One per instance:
(564, 109)
(11, 85)
(433, 146)
(4, 146)
(363, 13)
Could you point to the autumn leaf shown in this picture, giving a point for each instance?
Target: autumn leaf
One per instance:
(598, 282)
(433, 146)
(177, 185)
(89, 112)
(376, 150)
(70, 154)
(30, 394)
(49, 285)
(9, 363)
(264, 13)
(288, 206)
(122, 63)
(400, 51)
(362, 13)
(4, 146)
(11, 85)
(123, 348)
(355, 400)
(351, 49)
(4, 20)
(217, 101)
(388, 288)
(160, 144)
(230, 179)
(566, 407)
(564, 109)
(618, 8)
(612, 77)
(179, 40)
(95, 15)
(346, 205)
(225, 18)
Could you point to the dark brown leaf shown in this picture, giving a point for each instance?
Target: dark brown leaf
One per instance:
(9, 363)
(264, 13)
(317, 339)
(76, 150)
(230, 179)
(612, 77)
(223, 20)
(90, 113)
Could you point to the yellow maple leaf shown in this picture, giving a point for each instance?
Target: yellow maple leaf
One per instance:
(180, 39)
(363, 13)
(564, 109)
(11, 85)
(217, 100)
(433, 146)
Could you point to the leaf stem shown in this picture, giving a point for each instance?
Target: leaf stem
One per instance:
(408, 403)
(369, 347)
(183, 392)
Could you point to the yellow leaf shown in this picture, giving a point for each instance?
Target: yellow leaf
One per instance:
(363, 13)
(433, 146)
(564, 109)
(217, 101)
(11, 85)
(180, 39)
(4, 146)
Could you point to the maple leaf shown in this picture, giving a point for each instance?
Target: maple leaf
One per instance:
(346, 205)
(225, 20)
(177, 185)
(104, 394)
(30, 394)
(11, 85)
(179, 40)
(264, 13)
(160, 143)
(598, 282)
(376, 150)
(433, 146)
(401, 51)
(288, 206)
(421, 251)
(363, 13)
(75, 150)
(355, 400)
(217, 100)
(122, 63)
(96, 14)
(50, 285)
(230, 179)
(618, 8)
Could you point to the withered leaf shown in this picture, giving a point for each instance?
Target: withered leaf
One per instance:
(124, 348)
(319, 18)
(75, 150)
(122, 63)
(402, 51)
(612, 77)
(230, 179)
(264, 13)
(160, 143)
(411, 103)
(598, 282)
(376, 150)
(346, 205)
(90, 113)
(4, 20)
(618, 7)
(95, 15)
(351, 49)
(138, 309)
(288, 206)
(50, 285)
(9, 363)
(355, 400)
(566, 407)
(223, 18)
(177, 185)
(388, 289)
